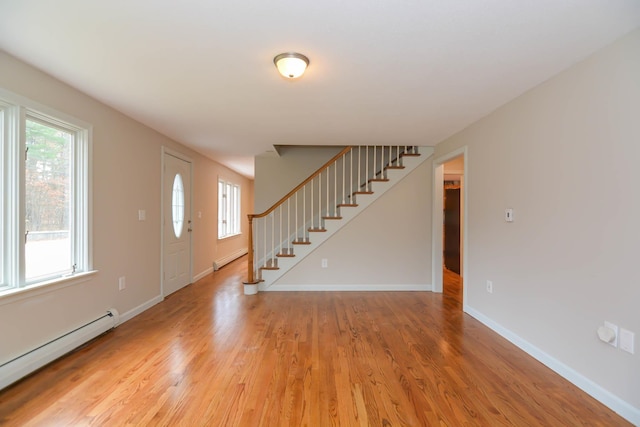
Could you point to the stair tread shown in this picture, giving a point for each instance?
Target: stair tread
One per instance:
(269, 268)
(394, 167)
(301, 242)
(331, 217)
(285, 255)
(379, 180)
(317, 230)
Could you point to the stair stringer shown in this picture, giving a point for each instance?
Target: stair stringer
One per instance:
(269, 277)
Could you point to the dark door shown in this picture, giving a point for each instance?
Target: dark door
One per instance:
(452, 229)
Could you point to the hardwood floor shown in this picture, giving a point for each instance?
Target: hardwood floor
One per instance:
(452, 286)
(210, 356)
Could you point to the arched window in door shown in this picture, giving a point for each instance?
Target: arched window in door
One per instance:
(177, 205)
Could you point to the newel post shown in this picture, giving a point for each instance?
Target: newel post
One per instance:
(251, 285)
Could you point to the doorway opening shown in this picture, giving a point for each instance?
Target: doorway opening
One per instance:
(453, 182)
(449, 224)
(177, 260)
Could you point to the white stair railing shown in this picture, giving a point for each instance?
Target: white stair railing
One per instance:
(305, 209)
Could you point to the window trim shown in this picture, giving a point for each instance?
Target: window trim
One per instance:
(10, 295)
(14, 111)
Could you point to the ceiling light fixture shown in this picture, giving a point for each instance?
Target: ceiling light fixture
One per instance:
(291, 65)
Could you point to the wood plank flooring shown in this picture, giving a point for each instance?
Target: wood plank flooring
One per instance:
(210, 356)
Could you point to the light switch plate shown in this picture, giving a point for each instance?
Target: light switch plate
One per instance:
(508, 215)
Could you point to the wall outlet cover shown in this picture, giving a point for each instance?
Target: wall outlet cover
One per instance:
(627, 339)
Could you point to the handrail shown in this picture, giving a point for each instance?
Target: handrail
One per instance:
(302, 184)
(250, 279)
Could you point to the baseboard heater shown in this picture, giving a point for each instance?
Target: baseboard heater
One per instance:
(221, 262)
(29, 362)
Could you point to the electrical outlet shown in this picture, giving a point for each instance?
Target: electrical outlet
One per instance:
(325, 263)
(614, 328)
(627, 339)
(489, 286)
(122, 283)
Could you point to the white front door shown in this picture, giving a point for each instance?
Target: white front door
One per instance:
(176, 212)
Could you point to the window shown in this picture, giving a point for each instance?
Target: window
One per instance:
(177, 205)
(44, 221)
(228, 209)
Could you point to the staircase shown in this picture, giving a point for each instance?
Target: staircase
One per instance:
(321, 205)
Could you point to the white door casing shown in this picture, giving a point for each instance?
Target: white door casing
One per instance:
(176, 220)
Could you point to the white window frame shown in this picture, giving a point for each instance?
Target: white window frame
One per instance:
(234, 225)
(14, 111)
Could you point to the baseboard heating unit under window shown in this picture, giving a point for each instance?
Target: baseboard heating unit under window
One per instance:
(27, 363)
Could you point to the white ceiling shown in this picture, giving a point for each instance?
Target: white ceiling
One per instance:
(381, 72)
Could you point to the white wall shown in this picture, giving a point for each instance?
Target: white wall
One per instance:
(388, 245)
(565, 157)
(126, 177)
(454, 166)
(277, 174)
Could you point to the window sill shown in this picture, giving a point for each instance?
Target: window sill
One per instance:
(16, 294)
(229, 236)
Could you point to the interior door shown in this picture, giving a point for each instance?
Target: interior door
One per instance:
(451, 253)
(177, 223)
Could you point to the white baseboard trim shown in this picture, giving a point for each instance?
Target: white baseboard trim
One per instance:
(203, 274)
(220, 262)
(613, 402)
(139, 309)
(348, 288)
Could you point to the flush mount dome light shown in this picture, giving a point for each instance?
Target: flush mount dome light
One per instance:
(291, 65)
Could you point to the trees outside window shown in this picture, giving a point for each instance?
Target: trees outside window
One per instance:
(48, 202)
